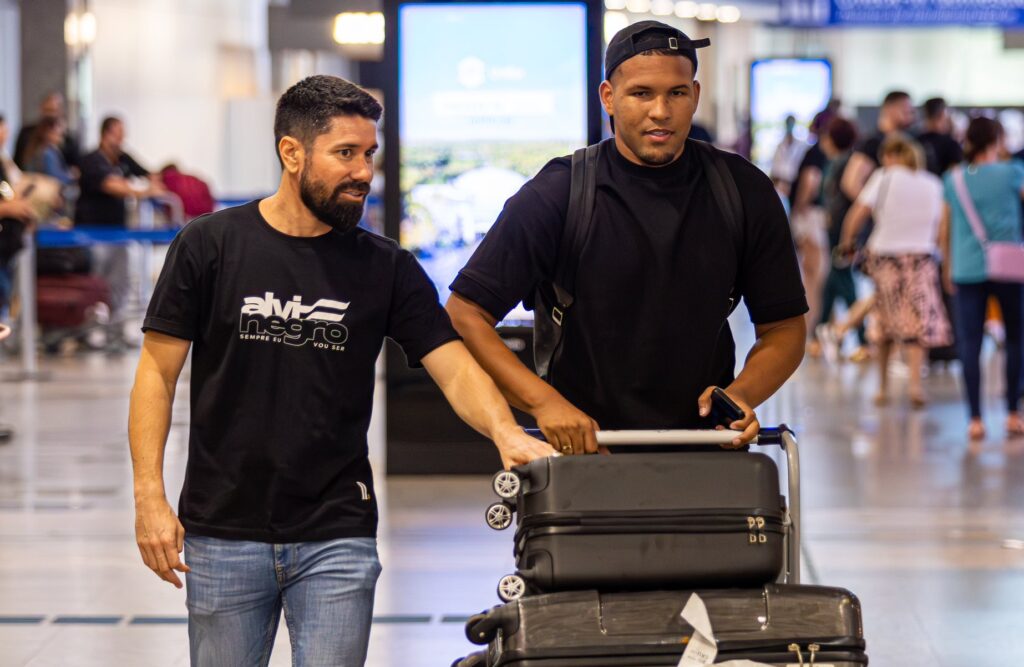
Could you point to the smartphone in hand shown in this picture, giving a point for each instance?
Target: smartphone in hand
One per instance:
(724, 410)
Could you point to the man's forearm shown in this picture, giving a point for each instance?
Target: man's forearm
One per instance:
(474, 397)
(772, 360)
(149, 421)
(520, 386)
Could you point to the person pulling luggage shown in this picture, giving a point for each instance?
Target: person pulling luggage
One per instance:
(637, 337)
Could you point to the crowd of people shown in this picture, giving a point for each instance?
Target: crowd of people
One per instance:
(914, 213)
(50, 181)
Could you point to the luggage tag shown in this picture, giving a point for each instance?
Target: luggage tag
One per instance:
(702, 647)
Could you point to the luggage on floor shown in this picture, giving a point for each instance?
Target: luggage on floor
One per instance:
(68, 301)
(643, 522)
(777, 624)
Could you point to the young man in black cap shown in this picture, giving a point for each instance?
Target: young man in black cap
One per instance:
(285, 304)
(646, 338)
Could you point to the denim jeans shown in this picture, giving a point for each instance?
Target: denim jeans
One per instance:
(237, 590)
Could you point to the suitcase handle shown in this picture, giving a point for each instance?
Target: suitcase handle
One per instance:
(766, 436)
(781, 436)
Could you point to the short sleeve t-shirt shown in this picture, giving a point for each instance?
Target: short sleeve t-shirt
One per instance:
(870, 148)
(645, 336)
(941, 151)
(906, 206)
(95, 207)
(285, 333)
(995, 190)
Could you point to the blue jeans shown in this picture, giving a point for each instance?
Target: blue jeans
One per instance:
(237, 590)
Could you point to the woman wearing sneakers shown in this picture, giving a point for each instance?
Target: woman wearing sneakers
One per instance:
(992, 188)
(905, 201)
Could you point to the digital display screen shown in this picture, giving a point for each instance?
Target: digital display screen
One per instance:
(780, 87)
(489, 93)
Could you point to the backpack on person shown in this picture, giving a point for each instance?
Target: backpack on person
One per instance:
(553, 300)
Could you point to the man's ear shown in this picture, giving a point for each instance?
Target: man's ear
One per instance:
(605, 92)
(292, 153)
(696, 93)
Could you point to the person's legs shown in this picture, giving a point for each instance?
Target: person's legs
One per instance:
(1010, 302)
(884, 350)
(111, 263)
(328, 600)
(915, 362)
(969, 304)
(233, 600)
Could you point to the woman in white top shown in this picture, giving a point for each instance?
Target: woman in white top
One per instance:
(906, 202)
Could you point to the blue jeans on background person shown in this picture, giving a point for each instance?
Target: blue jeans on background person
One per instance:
(970, 303)
(237, 590)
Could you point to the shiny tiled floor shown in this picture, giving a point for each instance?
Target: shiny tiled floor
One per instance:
(897, 507)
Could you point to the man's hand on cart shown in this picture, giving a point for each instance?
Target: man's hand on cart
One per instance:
(566, 427)
(747, 425)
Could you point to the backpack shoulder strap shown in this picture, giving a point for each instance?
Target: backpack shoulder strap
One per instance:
(582, 194)
(723, 188)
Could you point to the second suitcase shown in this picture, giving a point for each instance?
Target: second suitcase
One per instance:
(777, 625)
(647, 521)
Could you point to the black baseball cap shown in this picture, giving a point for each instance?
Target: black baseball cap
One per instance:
(648, 35)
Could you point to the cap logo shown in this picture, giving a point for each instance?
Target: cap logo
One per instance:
(673, 43)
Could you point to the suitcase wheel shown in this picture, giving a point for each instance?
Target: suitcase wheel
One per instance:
(511, 587)
(499, 516)
(506, 484)
(471, 660)
(481, 629)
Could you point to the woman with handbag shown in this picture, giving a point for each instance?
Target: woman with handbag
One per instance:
(905, 201)
(982, 241)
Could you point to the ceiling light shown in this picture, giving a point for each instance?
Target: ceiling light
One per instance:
(614, 22)
(707, 12)
(638, 6)
(614, 5)
(728, 14)
(359, 28)
(662, 7)
(687, 9)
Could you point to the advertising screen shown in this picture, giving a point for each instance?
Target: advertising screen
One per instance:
(489, 92)
(781, 87)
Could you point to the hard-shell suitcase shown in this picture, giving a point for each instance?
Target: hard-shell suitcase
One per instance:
(776, 624)
(65, 301)
(644, 521)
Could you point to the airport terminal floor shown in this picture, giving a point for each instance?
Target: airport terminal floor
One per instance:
(898, 507)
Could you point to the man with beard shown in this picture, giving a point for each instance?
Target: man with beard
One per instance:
(285, 304)
(646, 339)
(896, 115)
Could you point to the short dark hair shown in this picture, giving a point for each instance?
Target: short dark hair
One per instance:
(894, 97)
(306, 110)
(981, 134)
(843, 133)
(934, 107)
(108, 123)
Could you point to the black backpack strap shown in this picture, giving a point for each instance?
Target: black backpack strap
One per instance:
(727, 197)
(582, 195)
(556, 298)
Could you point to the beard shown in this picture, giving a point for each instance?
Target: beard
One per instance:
(326, 205)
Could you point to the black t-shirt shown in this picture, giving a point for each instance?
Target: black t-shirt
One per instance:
(285, 333)
(96, 207)
(654, 280)
(814, 158)
(941, 151)
(870, 148)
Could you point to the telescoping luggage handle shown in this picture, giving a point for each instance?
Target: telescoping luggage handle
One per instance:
(781, 436)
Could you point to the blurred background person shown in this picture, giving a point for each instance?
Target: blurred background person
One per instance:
(896, 115)
(51, 106)
(807, 219)
(995, 188)
(787, 158)
(905, 201)
(43, 154)
(110, 177)
(837, 143)
(941, 150)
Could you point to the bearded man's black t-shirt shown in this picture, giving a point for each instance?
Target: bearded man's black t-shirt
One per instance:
(646, 334)
(285, 333)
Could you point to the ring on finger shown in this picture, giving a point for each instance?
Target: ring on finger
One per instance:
(567, 449)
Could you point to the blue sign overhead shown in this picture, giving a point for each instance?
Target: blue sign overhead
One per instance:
(1005, 13)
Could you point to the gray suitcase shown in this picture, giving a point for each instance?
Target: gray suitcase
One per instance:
(777, 624)
(650, 521)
